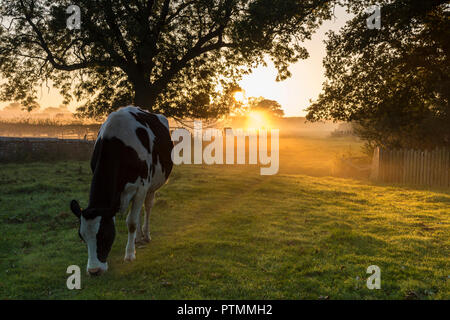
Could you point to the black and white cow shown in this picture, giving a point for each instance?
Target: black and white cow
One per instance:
(131, 160)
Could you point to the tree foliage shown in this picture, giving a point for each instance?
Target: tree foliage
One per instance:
(269, 107)
(169, 56)
(393, 83)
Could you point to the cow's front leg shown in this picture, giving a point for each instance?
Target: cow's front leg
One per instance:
(132, 224)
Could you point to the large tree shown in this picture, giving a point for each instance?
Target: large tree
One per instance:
(169, 56)
(392, 83)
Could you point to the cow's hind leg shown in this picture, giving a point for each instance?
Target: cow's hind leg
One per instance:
(149, 201)
(139, 235)
(132, 224)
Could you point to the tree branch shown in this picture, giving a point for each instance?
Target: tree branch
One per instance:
(56, 62)
(111, 21)
(178, 65)
(179, 10)
(162, 19)
(149, 8)
(108, 47)
(197, 50)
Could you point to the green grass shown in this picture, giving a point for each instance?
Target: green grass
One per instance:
(222, 232)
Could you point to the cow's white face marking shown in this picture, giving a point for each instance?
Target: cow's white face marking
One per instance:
(89, 230)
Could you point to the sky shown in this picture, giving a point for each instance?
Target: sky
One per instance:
(293, 94)
(307, 77)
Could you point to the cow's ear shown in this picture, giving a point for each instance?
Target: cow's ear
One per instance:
(75, 207)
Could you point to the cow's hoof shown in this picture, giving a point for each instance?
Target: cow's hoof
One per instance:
(142, 243)
(129, 258)
(146, 239)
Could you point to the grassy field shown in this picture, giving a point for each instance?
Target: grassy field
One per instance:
(225, 232)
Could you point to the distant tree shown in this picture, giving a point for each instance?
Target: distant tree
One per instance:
(54, 110)
(13, 106)
(269, 107)
(393, 84)
(168, 56)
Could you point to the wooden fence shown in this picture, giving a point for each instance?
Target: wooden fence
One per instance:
(416, 167)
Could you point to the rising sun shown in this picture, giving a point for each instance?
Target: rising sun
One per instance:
(239, 96)
(257, 120)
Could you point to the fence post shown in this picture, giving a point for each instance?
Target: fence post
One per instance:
(381, 165)
(405, 165)
(416, 167)
(375, 169)
(410, 166)
(395, 166)
(388, 154)
(441, 167)
(445, 174)
(442, 177)
(446, 165)
(434, 166)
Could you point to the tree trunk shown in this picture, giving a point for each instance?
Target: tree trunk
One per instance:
(144, 96)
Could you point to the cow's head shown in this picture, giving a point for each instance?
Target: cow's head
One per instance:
(97, 230)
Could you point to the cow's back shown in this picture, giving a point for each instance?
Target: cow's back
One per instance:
(133, 148)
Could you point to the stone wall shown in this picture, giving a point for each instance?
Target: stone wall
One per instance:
(44, 149)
